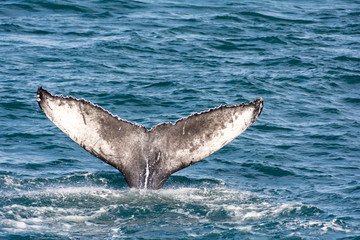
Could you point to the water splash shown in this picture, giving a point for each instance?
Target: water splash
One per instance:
(184, 212)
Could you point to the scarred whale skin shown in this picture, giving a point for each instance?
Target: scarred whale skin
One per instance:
(146, 158)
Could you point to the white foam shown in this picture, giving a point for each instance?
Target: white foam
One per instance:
(242, 210)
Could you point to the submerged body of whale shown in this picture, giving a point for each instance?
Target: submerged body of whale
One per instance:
(146, 158)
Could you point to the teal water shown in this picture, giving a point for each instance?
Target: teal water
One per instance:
(294, 174)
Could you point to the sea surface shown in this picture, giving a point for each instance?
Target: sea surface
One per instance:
(294, 174)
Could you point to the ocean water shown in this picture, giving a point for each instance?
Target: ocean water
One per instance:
(294, 174)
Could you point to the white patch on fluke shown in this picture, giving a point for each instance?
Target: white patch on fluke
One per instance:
(147, 173)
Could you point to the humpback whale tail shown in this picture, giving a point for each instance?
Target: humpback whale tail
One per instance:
(146, 158)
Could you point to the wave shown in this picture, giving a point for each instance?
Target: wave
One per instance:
(257, 16)
(269, 170)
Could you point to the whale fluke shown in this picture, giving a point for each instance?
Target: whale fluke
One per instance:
(146, 158)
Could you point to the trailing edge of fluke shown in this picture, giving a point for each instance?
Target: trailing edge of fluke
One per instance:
(146, 158)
